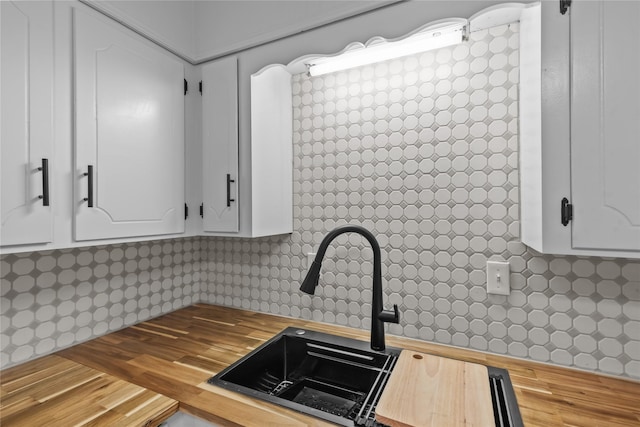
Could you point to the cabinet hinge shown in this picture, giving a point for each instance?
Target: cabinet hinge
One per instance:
(202, 210)
(566, 211)
(200, 87)
(186, 211)
(564, 6)
(186, 86)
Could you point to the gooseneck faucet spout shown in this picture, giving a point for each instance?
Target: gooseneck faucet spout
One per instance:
(378, 315)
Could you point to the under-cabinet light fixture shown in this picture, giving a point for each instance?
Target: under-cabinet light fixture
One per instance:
(420, 42)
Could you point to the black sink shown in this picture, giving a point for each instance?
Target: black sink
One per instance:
(334, 378)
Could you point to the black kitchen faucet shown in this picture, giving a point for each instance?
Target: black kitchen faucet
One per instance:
(378, 315)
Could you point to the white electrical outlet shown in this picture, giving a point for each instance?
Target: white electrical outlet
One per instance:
(498, 278)
(310, 257)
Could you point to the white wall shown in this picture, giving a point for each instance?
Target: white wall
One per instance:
(170, 23)
(224, 27)
(202, 30)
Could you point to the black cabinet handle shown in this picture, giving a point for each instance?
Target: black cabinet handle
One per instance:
(45, 182)
(89, 175)
(229, 199)
(566, 211)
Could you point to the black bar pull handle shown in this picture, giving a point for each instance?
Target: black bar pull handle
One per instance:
(89, 175)
(229, 199)
(45, 182)
(566, 211)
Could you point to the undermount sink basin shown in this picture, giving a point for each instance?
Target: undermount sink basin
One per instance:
(334, 378)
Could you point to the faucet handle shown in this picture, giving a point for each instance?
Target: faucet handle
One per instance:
(390, 316)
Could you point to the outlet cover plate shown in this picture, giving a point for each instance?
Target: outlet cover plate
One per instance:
(310, 257)
(498, 278)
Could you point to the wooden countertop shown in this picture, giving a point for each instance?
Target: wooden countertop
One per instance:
(175, 354)
(59, 392)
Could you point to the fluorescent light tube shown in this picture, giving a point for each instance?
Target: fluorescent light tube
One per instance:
(416, 43)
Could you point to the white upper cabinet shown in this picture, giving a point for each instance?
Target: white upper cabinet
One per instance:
(220, 145)
(129, 133)
(605, 125)
(267, 179)
(26, 122)
(579, 129)
(271, 152)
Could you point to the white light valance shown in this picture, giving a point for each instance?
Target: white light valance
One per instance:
(378, 51)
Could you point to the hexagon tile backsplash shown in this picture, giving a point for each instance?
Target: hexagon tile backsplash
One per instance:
(422, 151)
(52, 300)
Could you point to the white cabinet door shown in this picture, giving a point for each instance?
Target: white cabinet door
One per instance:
(580, 129)
(271, 152)
(220, 145)
(26, 121)
(605, 125)
(129, 132)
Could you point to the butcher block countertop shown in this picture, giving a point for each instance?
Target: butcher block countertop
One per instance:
(173, 356)
(53, 391)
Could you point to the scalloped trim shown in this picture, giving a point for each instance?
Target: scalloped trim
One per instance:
(486, 18)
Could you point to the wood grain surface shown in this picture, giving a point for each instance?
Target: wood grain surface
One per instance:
(176, 353)
(53, 391)
(431, 391)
